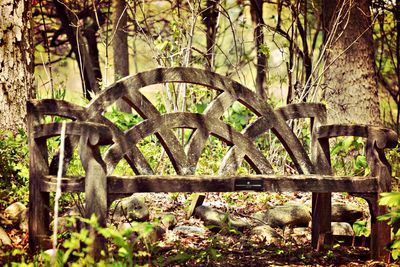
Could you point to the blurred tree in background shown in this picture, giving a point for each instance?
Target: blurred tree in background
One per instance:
(287, 51)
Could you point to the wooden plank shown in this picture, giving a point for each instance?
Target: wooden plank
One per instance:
(209, 183)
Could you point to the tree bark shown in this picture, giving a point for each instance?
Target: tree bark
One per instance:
(256, 9)
(87, 65)
(16, 63)
(350, 90)
(210, 19)
(120, 47)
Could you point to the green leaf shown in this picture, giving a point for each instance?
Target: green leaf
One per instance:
(395, 254)
(391, 199)
(264, 49)
(237, 107)
(360, 228)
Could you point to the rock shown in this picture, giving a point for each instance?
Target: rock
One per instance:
(167, 220)
(286, 215)
(13, 211)
(190, 230)
(266, 233)
(4, 220)
(141, 230)
(72, 211)
(346, 212)
(342, 228)
(68, 220)
(23, 219)
(301, 231)
(131, 208)
(4, 238)
(124, 226)
(219, 220)
(65, 224)
(155, 235)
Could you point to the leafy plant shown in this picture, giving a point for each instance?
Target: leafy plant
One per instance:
(348, 157)
(238, 116)
(123, 120)
(14, 161)
(361, 228)
(392, 200)
(123, 249)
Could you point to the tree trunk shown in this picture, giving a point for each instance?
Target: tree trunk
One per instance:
(87, 66)
(210, 19)
(16, 63)
(351, 90)
(120, 47)
(256, 9)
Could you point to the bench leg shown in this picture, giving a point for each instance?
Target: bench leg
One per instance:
(380, 230)
(321, 220)
(38, 220)
(198, 199)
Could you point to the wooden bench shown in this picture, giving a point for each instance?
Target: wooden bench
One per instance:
(88, 129)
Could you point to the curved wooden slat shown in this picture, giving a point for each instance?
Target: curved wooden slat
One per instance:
(214, 81)
(293, 111)
(167, 138)
(195, 121)
(60, 108)
(215, 110)
(233, 159)
(131, 153)
(75, 128)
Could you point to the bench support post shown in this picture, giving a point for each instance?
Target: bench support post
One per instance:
(39, 203)
(380, 230)
(321, 220)
(95, 188)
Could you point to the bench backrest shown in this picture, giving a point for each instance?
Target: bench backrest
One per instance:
(184, 158)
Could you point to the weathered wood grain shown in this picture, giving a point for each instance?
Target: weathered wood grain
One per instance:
(220, 183)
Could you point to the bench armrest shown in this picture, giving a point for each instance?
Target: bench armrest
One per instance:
(383, 137)
(377, 139)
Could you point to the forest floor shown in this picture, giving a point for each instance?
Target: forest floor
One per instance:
(223, 248)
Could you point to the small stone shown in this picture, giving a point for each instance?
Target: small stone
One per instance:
(286, 215)
(4, 238)
(346, 212)
(167, 220)
(218, 220)
(142, 230)
(23, 220)
(131, 208)
(124, 226)
(72, 211)
(13, 211)
(342, 228)
(301, 230)
(190, 230)
(266, 233)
